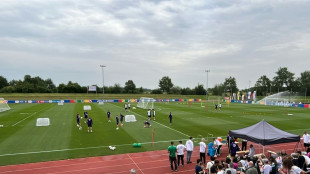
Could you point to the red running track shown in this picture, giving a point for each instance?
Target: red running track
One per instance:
(152, 162)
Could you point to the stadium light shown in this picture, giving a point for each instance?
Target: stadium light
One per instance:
(207, 71)
(102, 66)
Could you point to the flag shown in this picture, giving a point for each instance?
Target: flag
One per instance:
(254, 95)
(249, 95)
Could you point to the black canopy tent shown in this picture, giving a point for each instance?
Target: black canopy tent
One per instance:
(265, 134)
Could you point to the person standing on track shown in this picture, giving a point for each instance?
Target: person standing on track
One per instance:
(180, 150)
(172, 150)
(189, 145)
(203, 147)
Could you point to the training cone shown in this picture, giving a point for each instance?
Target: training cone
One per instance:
(134, 145)
(138, 144)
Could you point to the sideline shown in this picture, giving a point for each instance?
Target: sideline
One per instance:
(81, 148)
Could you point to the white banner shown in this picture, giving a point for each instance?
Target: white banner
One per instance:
(92, 88)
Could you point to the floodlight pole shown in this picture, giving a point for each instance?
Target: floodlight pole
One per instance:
(102, 66)
(207, 71)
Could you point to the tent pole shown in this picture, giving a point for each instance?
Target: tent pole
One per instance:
(264, 150)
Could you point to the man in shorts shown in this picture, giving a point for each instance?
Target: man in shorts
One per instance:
(109, 115)
(121, 119)
(125, 106)
(147, 124)
(149, 114)
(117, 122)
(153, 114)
(90, 124)
(85, 116)
(78, 121)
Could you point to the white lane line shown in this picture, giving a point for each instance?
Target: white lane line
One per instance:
(135, 163)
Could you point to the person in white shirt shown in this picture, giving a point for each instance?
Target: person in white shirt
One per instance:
(220, 170)
(306, 138)
(180, 152)
(218, 145)
(149, 114)
(210, 163)
(203, 146)
(267, 166)
(288, 167)
(189, 145)
(129, 107)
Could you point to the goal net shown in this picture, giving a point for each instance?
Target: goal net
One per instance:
(146, 103)
(43, 122)
(4, 105)
(130, 118)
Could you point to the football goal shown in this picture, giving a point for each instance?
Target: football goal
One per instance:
(43, 122)
(130, 118)
(146, 103)
(4, 105)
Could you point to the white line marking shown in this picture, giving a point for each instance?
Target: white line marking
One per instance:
(28, 117)
(135, 163)
(23, 119)
(159, 123)
(82, 148)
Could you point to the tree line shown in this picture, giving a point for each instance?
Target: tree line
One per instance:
(283, 80)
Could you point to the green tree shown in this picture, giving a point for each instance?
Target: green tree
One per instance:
(140, 91)
(176, 90)
(187, 91)
(3, 82)
(284, 78)
(218, 89)
(263, 85)
(305, 82)
(230, 85)
(156, 91)
(199, 90)
(165, 84)
(130, 87)
(116, 89)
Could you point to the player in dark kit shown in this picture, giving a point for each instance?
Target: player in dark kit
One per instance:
(170, 118)
(117, 122)
(90, 124)
(215, 106)
(78, 121)
(147, 124)
(85, 116)
(109, 114)
(121, 119)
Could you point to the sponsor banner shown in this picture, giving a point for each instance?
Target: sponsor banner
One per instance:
(92, 88)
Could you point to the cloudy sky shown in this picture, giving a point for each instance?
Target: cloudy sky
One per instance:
(146, 40)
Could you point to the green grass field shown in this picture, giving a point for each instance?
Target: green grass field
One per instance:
(23, 142)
